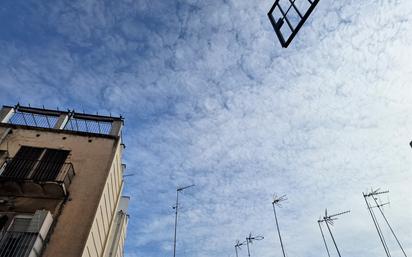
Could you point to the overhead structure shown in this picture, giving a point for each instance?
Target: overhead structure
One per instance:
(288, 16)
(373, 195)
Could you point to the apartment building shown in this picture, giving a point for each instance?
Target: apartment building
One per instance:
(61, 183)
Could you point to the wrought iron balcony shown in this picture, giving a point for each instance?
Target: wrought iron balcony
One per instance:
(35, 177)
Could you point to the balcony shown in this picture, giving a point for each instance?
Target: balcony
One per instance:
(36, 178)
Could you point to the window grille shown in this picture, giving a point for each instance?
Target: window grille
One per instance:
(288, 16)
(89, 125)
(38, 164)
(17, 241)
(33, 119)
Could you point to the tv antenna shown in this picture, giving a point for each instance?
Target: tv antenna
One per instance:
(374, 194)
(277, 202)
(176, 208)
(329, 220)
(239, 245)
(250, 239)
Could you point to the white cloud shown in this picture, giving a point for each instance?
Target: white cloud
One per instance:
(211, 98)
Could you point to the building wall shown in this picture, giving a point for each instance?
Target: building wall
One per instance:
(104, 221)
(87, 215)
(118, 233)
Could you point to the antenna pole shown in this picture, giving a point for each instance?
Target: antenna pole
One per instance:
(323, 236)
(390, 227)
(331, 235)
(329, 219)
(247, 244)
(277, 227)
(375, 222)
(176, 208)
(176, 211)
(250, 239)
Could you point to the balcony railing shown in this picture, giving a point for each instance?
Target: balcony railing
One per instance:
(43, 173)
(17, 244)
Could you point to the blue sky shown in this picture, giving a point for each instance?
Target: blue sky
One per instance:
(211, 98)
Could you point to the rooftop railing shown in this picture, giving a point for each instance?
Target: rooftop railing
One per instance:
(89, 125)
(68, 121)
(33, 119)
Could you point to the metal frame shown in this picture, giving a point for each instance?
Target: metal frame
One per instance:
(277, 25)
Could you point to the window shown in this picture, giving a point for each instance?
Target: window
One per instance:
(35, 163)
(17, 241)
(25, 235)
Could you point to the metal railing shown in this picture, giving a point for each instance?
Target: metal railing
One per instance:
(90, 126)
(17, 244)
(33, 119)
(37, 170)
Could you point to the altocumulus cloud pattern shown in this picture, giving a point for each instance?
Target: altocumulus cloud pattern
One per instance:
(211, 98)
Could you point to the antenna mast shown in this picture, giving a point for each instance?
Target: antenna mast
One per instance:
(176, 207)
(250, 239)
(238, 245)
(276, 202)
(329, 221)
(374, 195)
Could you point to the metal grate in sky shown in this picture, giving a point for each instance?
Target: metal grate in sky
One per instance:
(288, 16)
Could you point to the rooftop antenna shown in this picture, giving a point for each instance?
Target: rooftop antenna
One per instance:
(374, 195)
(276, 202)
(239, 245)
(329, 221)
(250, 239)
(323, 236)
(176, 208)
